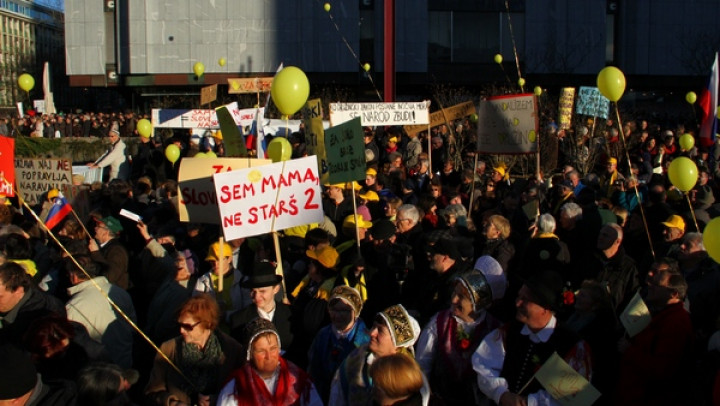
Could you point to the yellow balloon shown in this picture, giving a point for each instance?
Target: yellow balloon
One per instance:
(687, 142)
(172, 153)
(289, 90)
(611, 83)
(327, 7)
(366, 67)
(26, 82)
(198, 69)
(691, 97)
(718, 113)
(144, 128)
(200, 155)
(498, 58)
(211, 154)
(279, 149)
(711, 239)
(537, 90)
(521, 82)
(683, 173)
(222, 61)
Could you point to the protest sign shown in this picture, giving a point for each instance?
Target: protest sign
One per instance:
(201, 118)
(35, 177)
(636, 316)
(208, 94)
(565, 107)
(444, 116)
(380, 114)
(508, 125)
(233, 140)
(591, 102)
(315, 135)
(564, 384)
(197, 201)
(7, 166)
(345, 152)
(267, 198)
(249, 85)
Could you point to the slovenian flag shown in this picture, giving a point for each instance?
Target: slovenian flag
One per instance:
(708, 103)
(58, 211)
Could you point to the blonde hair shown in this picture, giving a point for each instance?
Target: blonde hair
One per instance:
(398, 375)
(502, 224)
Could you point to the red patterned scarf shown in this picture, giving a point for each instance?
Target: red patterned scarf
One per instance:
(293, 384)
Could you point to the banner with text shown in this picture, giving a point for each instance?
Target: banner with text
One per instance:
(35, 177)
(267, 198)
(508, 125)
(345, 148)
(200, 118)
(380, 114)
(315, 135)
(197, 201)
(446, 115)
(591, 102)
(249, 85)
(565, 107)
(7, 166)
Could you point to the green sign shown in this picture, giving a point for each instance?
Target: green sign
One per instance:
(345, 152)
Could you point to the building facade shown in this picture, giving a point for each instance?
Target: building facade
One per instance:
(154, 44)
(30, 35)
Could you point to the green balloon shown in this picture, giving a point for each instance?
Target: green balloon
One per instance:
(683, 173)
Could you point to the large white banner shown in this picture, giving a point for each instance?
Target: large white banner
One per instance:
(381, 114)
(201, 118)
(508, 125)
(267, 198)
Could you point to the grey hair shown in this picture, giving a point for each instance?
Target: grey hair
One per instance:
(457, 210)
(694, 239)
(546, 223)
(573, 210)
(410, 212)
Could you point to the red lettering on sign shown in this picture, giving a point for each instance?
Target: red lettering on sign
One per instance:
(310, 193)
(233, 220)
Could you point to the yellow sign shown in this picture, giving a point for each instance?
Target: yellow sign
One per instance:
(564, 384)
(636, 316)
(444, 116)
(249, 85)
(565, 108)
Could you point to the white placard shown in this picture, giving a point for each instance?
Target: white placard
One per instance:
(201, 118)
(381, 114)
(267, 198)
(508, 125)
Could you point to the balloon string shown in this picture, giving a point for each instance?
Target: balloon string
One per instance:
(637, 194)
(107, 297)
(512, 38)
(687, 196)
(352, 52)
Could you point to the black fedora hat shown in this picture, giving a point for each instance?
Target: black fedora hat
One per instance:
(263, 275)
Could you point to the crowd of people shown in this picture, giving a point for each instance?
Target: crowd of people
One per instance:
(451, 280)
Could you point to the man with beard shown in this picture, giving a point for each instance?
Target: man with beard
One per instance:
(656, 362)
(508, 357)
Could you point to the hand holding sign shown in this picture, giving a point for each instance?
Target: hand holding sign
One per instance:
(564, 384)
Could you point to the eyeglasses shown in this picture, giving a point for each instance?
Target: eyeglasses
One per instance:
(188, 327)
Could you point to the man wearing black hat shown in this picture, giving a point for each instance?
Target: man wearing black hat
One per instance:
(264, 285)
(20, 384)
(508, 357)
(446, 264)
